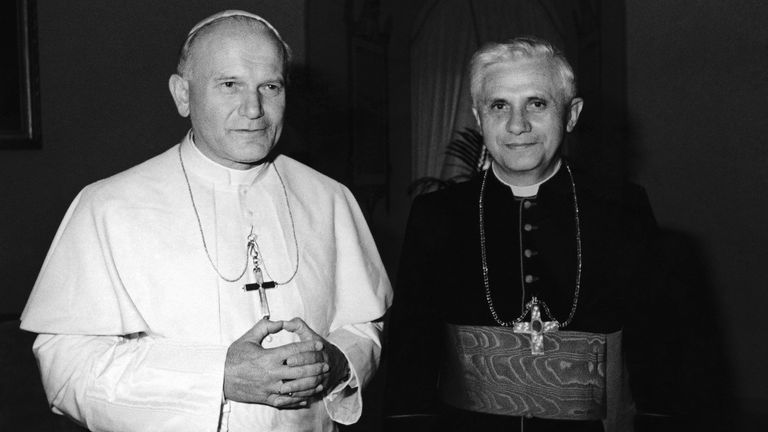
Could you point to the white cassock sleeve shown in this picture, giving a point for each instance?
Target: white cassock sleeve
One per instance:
(113, 383)
(92, 370)
(361, 345)
(357, 291)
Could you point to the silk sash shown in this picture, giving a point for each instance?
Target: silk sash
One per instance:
(491, 370)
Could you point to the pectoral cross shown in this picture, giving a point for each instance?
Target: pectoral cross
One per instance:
(258, 283)
(536, 327)
(261, 286)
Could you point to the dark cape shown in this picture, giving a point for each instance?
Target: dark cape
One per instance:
(440, 278)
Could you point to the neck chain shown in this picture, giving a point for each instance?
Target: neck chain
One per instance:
(483, 256)
(252, 247)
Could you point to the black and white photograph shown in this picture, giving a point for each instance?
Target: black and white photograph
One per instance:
(383, 215)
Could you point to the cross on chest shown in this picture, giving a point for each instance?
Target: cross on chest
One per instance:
(536, 328)
(261, 286)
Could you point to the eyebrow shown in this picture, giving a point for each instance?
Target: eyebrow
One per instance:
(537, 96)
(540, 96)
(235, 77)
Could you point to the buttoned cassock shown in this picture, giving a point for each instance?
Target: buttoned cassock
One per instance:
(135, 324)
(531, 251)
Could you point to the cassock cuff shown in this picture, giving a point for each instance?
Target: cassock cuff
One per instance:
(351, 380)
(344, 403)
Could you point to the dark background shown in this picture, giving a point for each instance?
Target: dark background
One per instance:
(10, 117)
(694, 78)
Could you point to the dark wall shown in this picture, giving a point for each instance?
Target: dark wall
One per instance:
(697, 80)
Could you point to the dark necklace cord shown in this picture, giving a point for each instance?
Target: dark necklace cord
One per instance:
(484, 258)
(245, 266)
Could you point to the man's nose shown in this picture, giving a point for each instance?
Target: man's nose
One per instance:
(251, 106)
(518, 122)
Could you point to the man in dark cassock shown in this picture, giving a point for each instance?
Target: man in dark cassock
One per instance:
(514, 287)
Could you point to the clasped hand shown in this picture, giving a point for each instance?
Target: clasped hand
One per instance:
(287, 376)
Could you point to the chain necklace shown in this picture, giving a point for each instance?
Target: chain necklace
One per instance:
(483, 256)
(252, 247)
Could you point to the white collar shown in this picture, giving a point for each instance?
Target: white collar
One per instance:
(203, 166)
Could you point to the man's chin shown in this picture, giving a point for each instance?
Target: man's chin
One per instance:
(248, 134)
(521, 160)
(250, 148)
(254, 158)
(522, 166)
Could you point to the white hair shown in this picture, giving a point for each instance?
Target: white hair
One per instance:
(514, 50)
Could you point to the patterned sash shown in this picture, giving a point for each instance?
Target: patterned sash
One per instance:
(491, 370)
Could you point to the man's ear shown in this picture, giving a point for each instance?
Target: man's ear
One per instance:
(574, 109)
(477, 118)
(179, 88)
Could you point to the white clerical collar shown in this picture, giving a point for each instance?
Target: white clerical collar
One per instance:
(526, 191)
(203, 166)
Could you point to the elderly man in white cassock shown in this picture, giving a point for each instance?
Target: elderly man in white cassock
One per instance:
(215, 286)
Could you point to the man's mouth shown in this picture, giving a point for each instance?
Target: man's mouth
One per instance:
(520, 145)
(256, 130)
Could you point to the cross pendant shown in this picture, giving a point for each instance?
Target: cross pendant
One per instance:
(536, 327)
(261, 286)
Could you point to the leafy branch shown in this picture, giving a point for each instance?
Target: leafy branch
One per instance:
(467, 150)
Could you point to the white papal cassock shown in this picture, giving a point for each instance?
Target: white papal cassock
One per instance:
(135, 324)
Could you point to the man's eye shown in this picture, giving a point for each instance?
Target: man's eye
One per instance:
(271, 89)
(498, 106)
(538, 104)
(228, 86)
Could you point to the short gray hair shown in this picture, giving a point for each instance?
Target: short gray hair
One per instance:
(235, 16)
(514, 50)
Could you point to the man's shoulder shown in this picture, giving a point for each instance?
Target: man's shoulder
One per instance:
(301, 178)
(453, 204)
(135, 182)
(621, 195)
(452, 195)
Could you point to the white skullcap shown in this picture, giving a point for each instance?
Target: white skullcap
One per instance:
(229, 13)
(184, 54)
